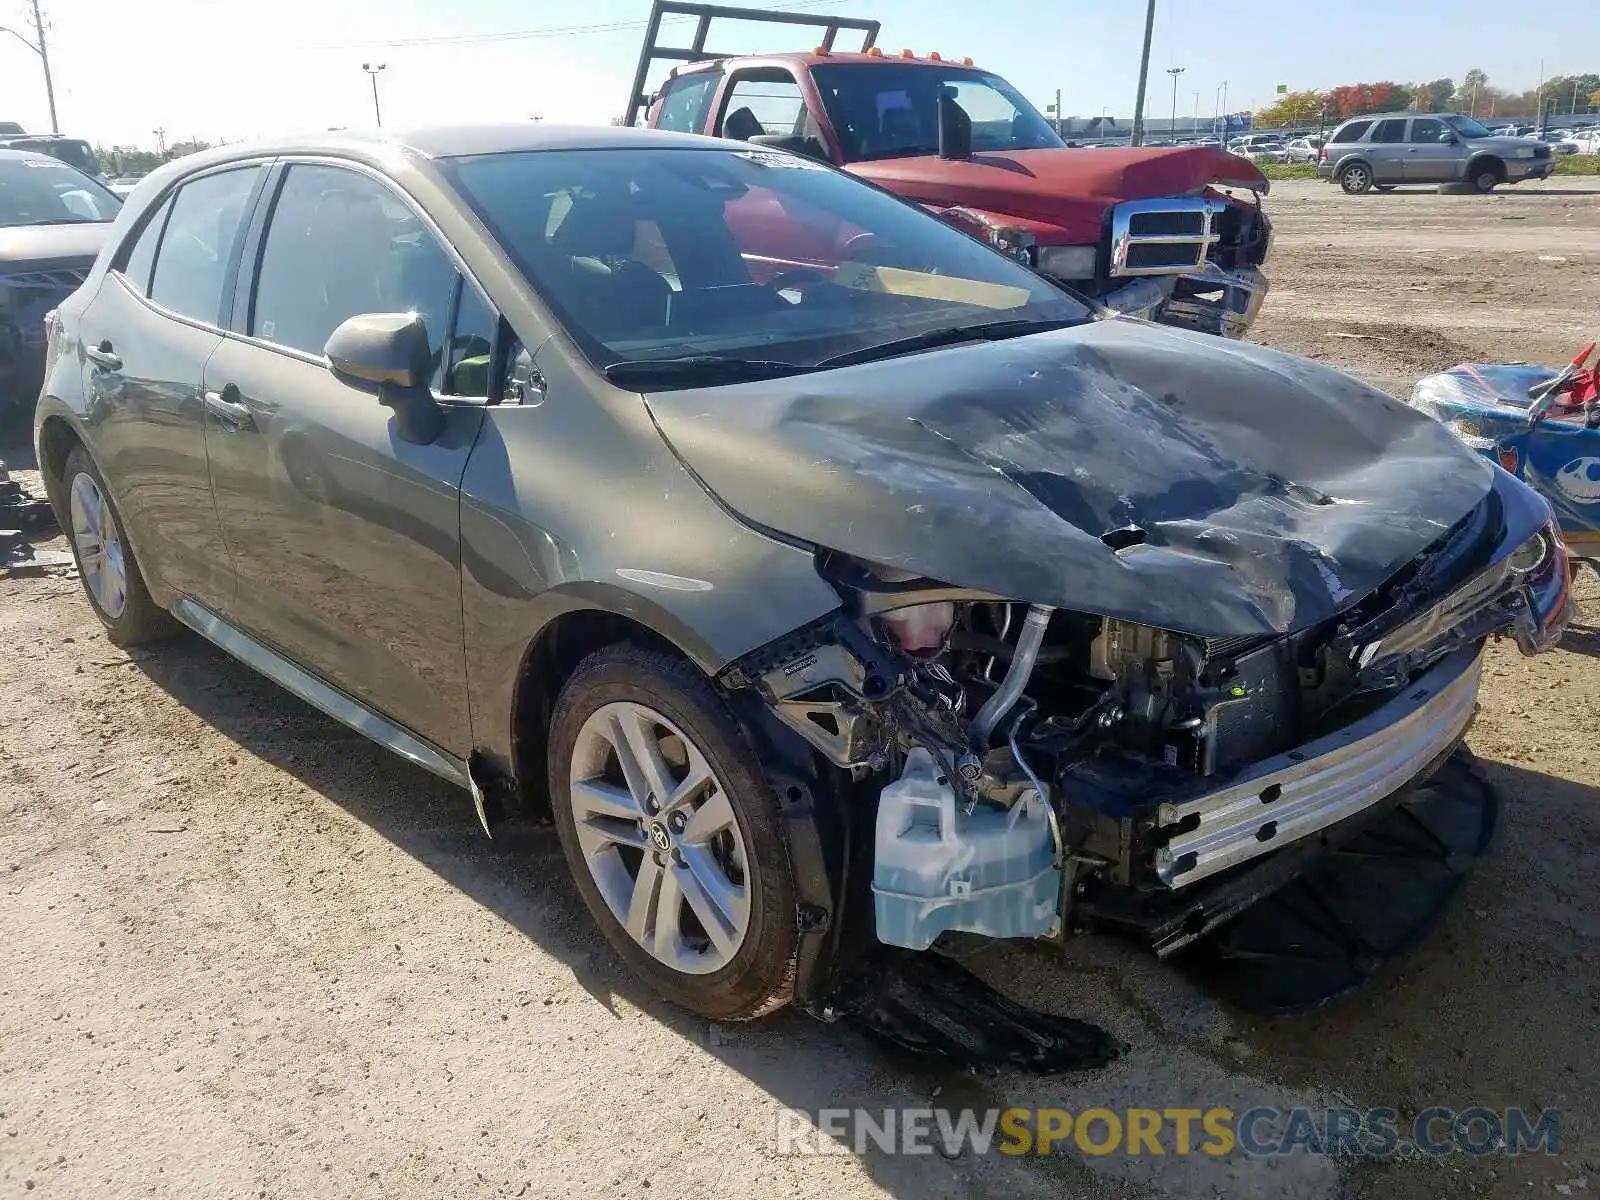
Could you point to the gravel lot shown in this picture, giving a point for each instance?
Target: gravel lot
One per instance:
(248, 953)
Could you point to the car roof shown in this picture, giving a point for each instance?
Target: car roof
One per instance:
(453, 141)
(1396, 116)
(29, 156)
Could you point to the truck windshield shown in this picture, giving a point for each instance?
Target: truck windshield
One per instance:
(884, 109)
(720, 260)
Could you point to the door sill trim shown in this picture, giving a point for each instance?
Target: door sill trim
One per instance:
(323, 696)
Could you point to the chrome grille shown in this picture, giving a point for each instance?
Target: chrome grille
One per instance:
(1163, 237)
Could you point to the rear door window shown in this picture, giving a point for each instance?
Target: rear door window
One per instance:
(1389, 132)
(1353, 132)
(199, 243)
(138, 259)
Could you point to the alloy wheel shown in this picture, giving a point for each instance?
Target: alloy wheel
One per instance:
(100, 556)
(660, 838)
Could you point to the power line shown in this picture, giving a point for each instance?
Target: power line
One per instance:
(516, 35)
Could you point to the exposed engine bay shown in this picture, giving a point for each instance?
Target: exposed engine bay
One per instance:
(1041, 770)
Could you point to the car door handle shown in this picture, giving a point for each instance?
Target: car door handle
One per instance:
(102, 356)
(230, 414)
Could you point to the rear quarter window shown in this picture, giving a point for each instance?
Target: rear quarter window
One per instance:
(686, 100)
(1353, 132)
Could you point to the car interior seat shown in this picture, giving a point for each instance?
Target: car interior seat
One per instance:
(741, 125)
(612, 289)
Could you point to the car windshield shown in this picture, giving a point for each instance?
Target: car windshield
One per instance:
(727, 260)
(887, 110)
(1466, 127)
(46, 192)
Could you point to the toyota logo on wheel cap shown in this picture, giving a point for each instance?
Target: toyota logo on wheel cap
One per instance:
(658, 835)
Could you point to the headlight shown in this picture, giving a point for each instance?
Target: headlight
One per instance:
(1521, 153)
(1067, 262)
(1531, 555)
(1018, 243)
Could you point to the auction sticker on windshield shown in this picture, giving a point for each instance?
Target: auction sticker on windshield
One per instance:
(775, 158)
(897, 281)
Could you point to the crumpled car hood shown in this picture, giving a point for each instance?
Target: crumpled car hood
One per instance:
(1271, 493)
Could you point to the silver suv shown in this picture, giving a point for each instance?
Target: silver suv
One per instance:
(1387, 149)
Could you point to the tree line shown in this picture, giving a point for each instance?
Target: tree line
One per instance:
(130, 160)
(1475, 95)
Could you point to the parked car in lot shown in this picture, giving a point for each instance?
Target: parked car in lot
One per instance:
(1254, 141)
(1304, 150)
(822, 605)
(53, 220)
(1388, 149)
(75, 152)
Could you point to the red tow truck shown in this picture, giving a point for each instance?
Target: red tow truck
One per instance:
(1147, 231)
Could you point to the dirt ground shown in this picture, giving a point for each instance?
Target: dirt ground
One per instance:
(247, 953)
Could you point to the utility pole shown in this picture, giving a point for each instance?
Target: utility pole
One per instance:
(161, 141)
(372, 74)
(1058, 108)
(1194, 121)
(1144, 75)
(1538, 101)
(39, 47)
(44, 61)
(1172, 126)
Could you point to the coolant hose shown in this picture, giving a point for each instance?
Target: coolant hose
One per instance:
(1017, 676)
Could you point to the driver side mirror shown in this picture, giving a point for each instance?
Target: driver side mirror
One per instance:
(387, 354)
(955, 127)
(1448, 139)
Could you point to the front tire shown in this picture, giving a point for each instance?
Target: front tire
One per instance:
(1486, 176)
(106, 565)
(1356, 179)
(673, 834)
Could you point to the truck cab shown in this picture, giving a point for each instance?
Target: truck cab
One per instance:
(1147, 231)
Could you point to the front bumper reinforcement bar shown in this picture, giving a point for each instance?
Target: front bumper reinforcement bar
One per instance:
(1293, 795)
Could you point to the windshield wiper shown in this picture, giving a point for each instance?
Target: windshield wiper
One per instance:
(700, 370)
(66, 221)
(991, 331)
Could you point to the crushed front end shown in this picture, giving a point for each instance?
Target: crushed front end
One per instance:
(1202, 256)
(1193, 262)
(1039, 771)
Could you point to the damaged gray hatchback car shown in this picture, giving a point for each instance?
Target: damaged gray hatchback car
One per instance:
(833, 580)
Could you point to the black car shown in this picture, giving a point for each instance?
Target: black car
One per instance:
(53, 220)
(830, 577)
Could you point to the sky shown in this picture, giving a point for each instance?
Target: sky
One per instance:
(203, 69)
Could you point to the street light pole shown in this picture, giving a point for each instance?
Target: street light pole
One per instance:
(372, 74)
(1172, 127)
(1144, 75)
